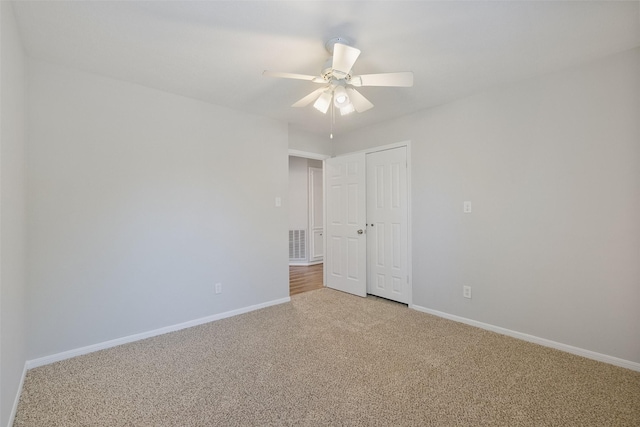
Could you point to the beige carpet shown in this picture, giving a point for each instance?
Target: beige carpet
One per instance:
(328, 358)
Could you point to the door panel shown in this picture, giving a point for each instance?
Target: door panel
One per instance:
(387, 220)
(346, 260)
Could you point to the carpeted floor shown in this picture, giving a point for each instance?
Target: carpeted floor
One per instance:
(328, 358)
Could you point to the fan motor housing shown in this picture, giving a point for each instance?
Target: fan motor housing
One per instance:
(327, 72)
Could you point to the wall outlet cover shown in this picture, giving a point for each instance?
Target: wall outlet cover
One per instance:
(466, 291)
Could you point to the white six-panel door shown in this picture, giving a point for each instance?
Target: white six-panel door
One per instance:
(346, 243)
(387, 220)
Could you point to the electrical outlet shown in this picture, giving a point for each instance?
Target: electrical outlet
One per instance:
(466, 207)
(218, 288)
(466, 291)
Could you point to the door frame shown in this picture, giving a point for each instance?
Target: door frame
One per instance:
(370, 150)
(322, 157)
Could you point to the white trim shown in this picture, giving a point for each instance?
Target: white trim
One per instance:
(313, 229)
(409, 225)
(41, 361)
(14, 410)
(536, 340)
(370, 150)
(324, 221)
(304, 264)
(308, 155)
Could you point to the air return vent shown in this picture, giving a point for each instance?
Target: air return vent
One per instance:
(297, 245)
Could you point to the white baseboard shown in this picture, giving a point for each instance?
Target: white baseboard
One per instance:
(41, 361)
(304, 263)
(14, 409)
(536, 340)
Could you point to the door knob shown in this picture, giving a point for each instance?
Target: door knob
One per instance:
(360, 231)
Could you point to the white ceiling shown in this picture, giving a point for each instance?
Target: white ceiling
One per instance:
(216, 51)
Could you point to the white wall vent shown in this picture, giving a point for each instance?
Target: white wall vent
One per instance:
(297, 245)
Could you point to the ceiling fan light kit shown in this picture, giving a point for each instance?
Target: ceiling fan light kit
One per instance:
(349, 108)
(340, 97)
(337, 75)
(323, 102)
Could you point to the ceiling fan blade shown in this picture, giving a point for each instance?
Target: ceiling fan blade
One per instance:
(289, 75)
(343, 58)
(402, 79)
(360, 103)
(309, 98)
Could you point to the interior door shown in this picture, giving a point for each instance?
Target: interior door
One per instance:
(387, 224)
(346, 243)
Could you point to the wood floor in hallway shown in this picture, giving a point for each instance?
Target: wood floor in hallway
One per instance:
(303, 279)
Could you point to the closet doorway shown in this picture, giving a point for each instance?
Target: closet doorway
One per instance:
(368, 224)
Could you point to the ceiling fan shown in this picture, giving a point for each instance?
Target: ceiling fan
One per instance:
(339, 82)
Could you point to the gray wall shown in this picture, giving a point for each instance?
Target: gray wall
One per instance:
(552, 167)
(298, 193)
(139, 201)
(12, 213)
(300, 140)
